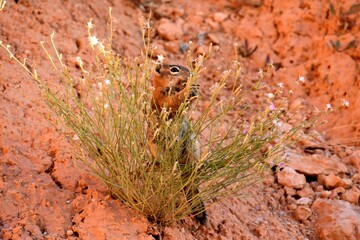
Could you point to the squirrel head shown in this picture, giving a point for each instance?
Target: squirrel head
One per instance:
(170, 76)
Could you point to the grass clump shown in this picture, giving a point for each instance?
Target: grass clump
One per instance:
(105, 111)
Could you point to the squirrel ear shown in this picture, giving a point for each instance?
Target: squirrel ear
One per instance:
(158, 67)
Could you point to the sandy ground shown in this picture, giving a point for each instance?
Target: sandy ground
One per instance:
(44, 195)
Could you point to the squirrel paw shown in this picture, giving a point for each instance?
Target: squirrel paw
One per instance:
(194, 90)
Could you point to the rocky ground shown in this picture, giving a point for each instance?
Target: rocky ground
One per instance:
(44, 195)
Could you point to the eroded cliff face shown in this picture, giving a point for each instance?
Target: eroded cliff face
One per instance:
(46, 195)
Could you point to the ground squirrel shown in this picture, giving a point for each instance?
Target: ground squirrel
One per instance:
(171, 89)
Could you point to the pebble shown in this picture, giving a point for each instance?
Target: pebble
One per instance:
(69, 233)
(351, 196)
(306, 192)
(333, 181)
(303, 201)
(290, 178)
(302, 213)
(219, 16)
(169, 30)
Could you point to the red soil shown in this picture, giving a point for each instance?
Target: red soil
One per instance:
(44, 195)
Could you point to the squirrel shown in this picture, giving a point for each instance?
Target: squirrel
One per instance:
(171, 90)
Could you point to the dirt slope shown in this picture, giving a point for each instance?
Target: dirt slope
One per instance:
(44, 195)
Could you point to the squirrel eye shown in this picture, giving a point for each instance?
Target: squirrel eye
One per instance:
(174, 70)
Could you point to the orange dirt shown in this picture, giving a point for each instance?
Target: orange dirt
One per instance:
(44, 195)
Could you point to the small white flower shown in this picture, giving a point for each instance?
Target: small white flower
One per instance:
(75, 137)
(291, 91)
(281, 85)
(226, 72)
(160, 58)
(345, 103)
(261, 73)
(301, 79)
(106, 105)
(89, 24)
(93, 41)
(270, 95)
(328, 107)
(107, 82)
(79, 61)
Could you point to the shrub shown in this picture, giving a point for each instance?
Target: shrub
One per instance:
(106, 114)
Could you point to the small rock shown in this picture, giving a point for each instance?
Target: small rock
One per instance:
(304, 201)
(261, 230)
(69, 233)
(348, 182)
(351, 196)
(333, 181)
(290, 191)
(302, 213)
(219, 16)
(4, 150)
(213, 38)
(319, 188)
(321, 179)
(168, 29)
(356, 178)
(292, 207)
(354, 160)
(306, 192)
(336, 192)
(325, 194)
(290, 178)
(336, 219)
(289, 200)
(317, 164)
(172, 47)
(342, 154)
(184, 47)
